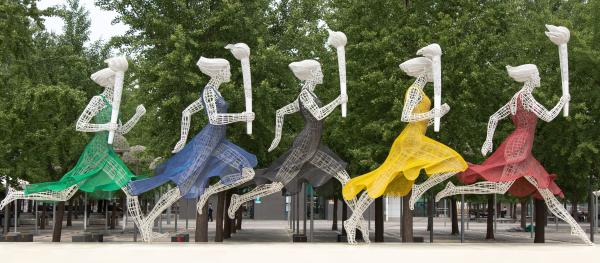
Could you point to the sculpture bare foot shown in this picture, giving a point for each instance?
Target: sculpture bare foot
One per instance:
(234, 205)
(364, 229)
(10, 196)
(446, 192)
(350, 232)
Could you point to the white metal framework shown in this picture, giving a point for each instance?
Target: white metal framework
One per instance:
(219, 72)
(105, 78)
(424, 70)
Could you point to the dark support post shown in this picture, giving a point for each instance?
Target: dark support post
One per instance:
(202, 225)
(407, 219)
(462, 218)
(430, 204)
(344, 217)
(238, 217)
(334, 225)
(60, 211)
(591, 209)
(219, 218)
(540, 221)
(379, 219)
(227, 221)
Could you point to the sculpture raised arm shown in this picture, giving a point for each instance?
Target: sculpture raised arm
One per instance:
(279, 115)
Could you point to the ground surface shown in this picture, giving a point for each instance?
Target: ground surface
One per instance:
(270, 241)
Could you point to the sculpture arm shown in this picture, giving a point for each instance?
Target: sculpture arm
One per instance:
(124, 129)
(318, 112)
(216, 118)
(279, 115)
(93, 107)
(492, 123)
(541, 111)
(414, 97)
(186, 116)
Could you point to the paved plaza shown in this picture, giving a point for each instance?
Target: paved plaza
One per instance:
(257, 231)
(270, 241)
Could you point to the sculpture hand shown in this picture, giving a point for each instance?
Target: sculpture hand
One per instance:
(487, 147)
(249, 116)
(111, 126)
(343, 98)
(140, 110)
(274, 144)
(180, 144)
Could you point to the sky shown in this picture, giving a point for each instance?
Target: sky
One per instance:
(101, 27)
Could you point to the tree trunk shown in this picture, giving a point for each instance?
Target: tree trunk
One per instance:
(238, 216)
(227, 220)
(219, 217)
(407, 219)
(490, 218)
(344, 216)
(60, 212)
(523, 202)
(574, 213)
(454, 212)
(202, 225)
(429, 213)
(113, 216)
(70, 213)
(540, 218)
(379, 219)
(7, 212)
(334, 225)
(43, 217)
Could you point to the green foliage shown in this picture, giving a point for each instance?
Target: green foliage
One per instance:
(46, 77)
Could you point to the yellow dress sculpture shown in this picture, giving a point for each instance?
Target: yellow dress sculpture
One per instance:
(411, 152)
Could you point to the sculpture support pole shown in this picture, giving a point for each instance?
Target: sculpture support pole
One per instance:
(564, 73)
(247, 90)
(341, 54)
(116, 102)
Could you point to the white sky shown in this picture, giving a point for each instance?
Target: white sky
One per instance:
(101, 27)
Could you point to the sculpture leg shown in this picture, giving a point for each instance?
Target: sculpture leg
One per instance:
(351, 223)
(259, 191)
(419, 189)
(57, 196)
(165, 201)
(559, 211)
(331, 166)
(477, 188)
(232, 181)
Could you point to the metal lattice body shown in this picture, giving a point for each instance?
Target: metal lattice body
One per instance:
(99, 167)
(412, 151)
(209, 154)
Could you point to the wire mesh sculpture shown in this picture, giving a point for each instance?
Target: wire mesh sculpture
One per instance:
(412, 151)
(308, 159)
(209, 154)
(99, 168)
(512, 167)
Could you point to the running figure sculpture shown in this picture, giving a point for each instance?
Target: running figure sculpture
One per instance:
(512, 167)
(99, 168)
(209, 154)
(412, 151)
(308, 159)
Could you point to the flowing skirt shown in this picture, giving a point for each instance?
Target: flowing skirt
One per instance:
(207, 155)
(411, 152)
(98, 169)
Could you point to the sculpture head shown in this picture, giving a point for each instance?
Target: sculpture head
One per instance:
(104, 77)
(215, 68)
(525, 73)
(307, 70)
(417, 67)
